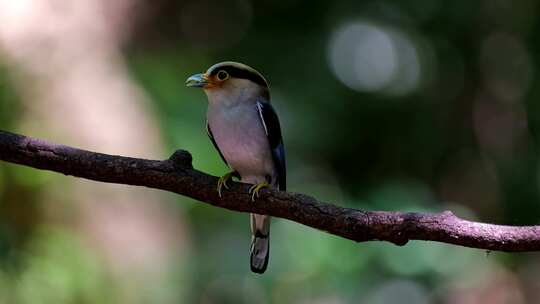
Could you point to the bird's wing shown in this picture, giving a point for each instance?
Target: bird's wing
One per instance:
(211, 136)
(272, 128)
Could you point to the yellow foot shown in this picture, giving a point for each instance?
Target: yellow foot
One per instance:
(222, 182)
(254, 190)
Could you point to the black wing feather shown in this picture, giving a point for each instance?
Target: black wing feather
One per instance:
(211, 136)
(272, 127)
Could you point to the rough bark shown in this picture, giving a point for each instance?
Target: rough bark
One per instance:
(177, 175)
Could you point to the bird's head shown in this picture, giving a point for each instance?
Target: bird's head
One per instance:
(226, 81)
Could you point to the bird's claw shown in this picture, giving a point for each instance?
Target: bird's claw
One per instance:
(222, 182)
(254, 190)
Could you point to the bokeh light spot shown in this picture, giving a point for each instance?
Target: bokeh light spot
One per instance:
(371, 58)
(363, 56)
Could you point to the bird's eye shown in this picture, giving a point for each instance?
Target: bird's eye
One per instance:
(222, 75)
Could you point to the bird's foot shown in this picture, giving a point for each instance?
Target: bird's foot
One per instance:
(254, 190)
(222, 182)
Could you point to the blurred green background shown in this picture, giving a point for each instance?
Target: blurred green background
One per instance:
(420, 105)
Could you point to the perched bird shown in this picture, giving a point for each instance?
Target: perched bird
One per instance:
(245, 130)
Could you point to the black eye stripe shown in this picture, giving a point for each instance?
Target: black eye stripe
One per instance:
(241, 73)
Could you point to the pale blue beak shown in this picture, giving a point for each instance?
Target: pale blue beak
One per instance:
(197, 81)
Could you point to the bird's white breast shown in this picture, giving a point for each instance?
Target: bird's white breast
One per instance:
(241, 138)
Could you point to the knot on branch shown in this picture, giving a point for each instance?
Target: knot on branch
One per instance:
(399, 240)
(181, 159)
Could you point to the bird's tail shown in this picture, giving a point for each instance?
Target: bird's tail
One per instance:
(260, 242)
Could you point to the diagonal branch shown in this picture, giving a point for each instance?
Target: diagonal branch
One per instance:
(176, 174)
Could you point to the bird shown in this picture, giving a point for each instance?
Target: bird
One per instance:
(246, 132)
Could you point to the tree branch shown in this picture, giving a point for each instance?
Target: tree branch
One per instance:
(177, 175)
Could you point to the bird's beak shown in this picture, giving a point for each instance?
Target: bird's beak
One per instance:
(197, 81)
